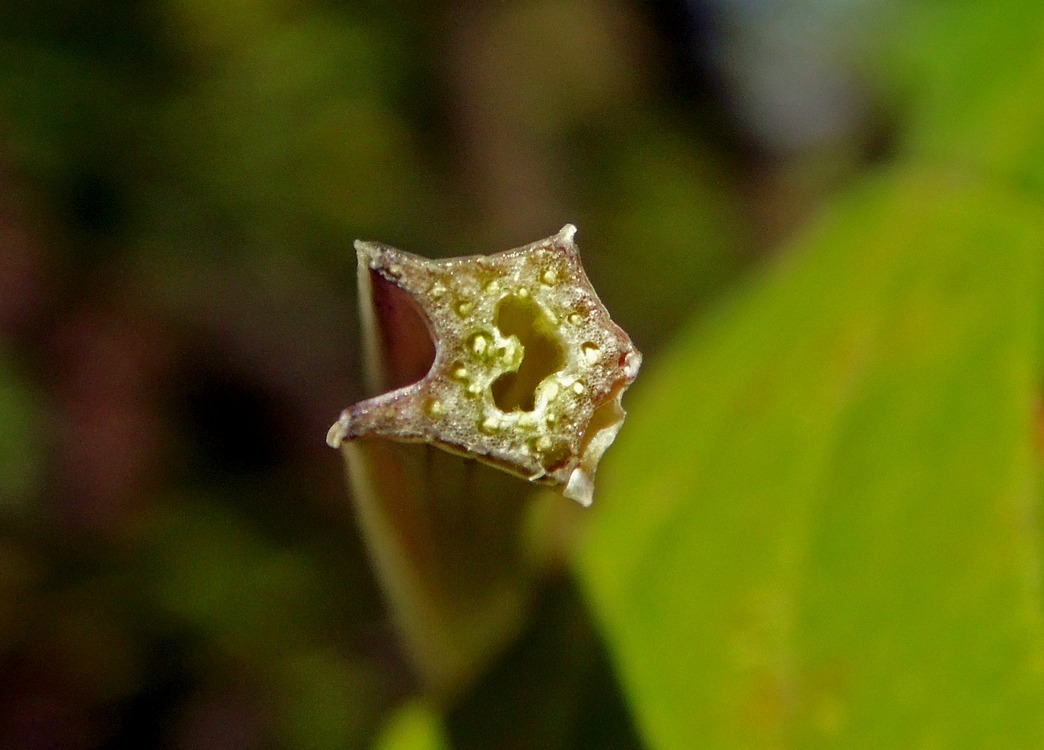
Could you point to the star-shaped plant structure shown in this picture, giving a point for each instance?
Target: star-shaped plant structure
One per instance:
(528, 367)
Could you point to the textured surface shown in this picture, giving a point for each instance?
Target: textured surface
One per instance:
(843, 549)
(557, 433)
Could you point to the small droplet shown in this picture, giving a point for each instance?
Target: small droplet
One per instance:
(492, 287)
(522, 292)
(551, 390)
(435, 408)
(490, 424)
(479, 343)
(576, 319)
(631, 362)
(474, 389)
(460, 373)
(592, 353)
(464, 307)
(578, 388)
(549, 277)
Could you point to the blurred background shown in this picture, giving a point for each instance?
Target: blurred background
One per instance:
(180, 184)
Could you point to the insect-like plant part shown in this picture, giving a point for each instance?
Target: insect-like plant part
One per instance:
(528, 368)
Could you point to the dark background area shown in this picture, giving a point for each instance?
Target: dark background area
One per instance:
(180, 184)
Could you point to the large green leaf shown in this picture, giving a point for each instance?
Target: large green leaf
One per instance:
(819, 527)
(971, 72)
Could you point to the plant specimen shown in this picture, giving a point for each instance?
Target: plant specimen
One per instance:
(509, 359)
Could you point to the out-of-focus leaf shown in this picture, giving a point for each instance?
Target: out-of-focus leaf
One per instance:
(819, 526)
(553, 689)
(216, 574)
(293, 131)
(660, 203)
(331, 701)
(17, 589)
(60, 108)
(414, 726)
(20, 449)
(266, 607)
(971, 74)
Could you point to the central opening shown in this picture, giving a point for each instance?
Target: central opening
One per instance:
(543, 356)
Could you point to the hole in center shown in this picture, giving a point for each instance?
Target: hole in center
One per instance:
(543, 353)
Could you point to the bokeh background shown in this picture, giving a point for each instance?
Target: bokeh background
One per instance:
(784, 203)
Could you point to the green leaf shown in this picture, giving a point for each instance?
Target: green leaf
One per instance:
(819, 526)
(972, 73)
(413, 726)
